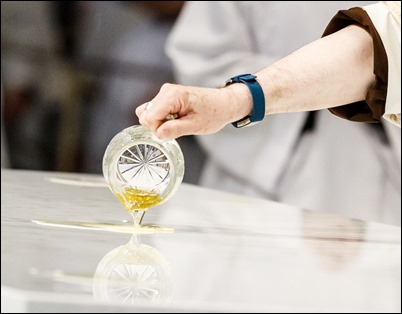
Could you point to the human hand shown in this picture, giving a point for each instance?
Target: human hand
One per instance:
(196, 110)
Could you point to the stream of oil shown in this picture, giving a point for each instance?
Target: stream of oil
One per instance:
(102, 226)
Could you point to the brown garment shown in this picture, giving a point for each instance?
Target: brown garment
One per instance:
(373, 107)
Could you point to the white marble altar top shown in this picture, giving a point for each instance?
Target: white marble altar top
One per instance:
(228, 253)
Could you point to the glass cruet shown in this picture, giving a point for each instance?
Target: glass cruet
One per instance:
(141, 170)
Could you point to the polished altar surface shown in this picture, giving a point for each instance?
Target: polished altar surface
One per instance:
(61, 252)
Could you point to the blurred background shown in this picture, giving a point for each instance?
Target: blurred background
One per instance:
(73, 73)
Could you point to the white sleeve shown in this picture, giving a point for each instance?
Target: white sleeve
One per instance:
(386, 17)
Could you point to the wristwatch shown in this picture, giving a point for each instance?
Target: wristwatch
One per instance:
(258, 112)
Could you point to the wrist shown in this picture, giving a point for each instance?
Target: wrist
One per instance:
(240, 101)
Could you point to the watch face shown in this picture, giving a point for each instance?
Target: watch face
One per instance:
(242, 123)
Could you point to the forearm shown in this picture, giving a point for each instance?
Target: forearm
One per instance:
(332, 71)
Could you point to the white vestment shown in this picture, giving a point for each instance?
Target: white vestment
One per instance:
(386, 17)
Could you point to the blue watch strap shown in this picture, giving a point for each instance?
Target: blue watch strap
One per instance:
(258, 112)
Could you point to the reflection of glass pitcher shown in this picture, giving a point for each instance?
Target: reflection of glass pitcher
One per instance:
(133, 273)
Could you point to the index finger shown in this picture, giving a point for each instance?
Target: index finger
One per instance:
(153, 116)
